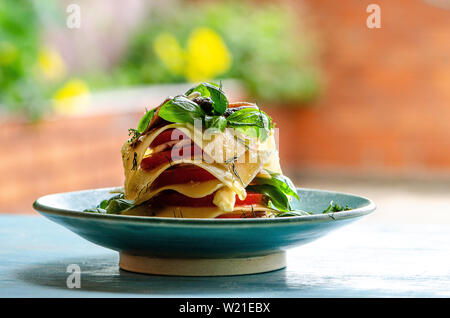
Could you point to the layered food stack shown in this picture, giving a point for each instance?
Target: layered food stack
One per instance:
(198, 156)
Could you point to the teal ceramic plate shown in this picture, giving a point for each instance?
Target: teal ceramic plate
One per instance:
(176, 246)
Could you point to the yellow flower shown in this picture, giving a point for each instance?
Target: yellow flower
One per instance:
(207, 55)
(51, 64)
(71, 98)
(170, 52)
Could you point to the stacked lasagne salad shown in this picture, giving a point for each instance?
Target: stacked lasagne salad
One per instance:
(198, 156)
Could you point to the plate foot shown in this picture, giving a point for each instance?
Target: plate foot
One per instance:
(201, 266)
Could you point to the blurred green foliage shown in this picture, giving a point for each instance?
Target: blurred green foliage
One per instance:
(261, 44)
(19, 40)
(24, 61)
(271, 53)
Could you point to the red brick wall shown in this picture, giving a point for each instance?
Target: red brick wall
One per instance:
(58, 156)
(386, 106)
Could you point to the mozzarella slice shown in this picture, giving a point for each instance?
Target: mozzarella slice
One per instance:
(225, 199)
(191, 189)
(235, 174)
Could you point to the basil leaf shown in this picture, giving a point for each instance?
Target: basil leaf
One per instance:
(213, 91)
(252, 122)
(96, 210)
(215, 123)
(181, 110)
(278, 188)
(145, 121)
(104, 204)
(278, 199)
(250, 116)
(283, 183)
(113, 205)
(119, 205)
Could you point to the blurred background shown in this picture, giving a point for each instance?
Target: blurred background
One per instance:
(361, 110)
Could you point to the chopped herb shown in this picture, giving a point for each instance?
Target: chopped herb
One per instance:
(134, 167)
(169, 160)
(233, 166)
(134, 133)
(293, 213)
(253, 211)
(334, 207)
(231, 160)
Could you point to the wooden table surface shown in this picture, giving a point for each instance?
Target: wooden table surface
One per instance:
(361, 260)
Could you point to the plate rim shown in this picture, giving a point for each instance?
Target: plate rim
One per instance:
(335, 216)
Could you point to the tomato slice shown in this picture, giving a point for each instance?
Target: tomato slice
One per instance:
(166, 136)
(178, 199)
(251, 198)
(157, 159)
(183, 175)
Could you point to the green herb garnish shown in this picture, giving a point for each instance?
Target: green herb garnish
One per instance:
(281, 182)
(293, 213)
(180, 109)
(252, 122)
(134, 167)
(134, 133)
(211, 108)
(142, 126)
(213, 91)
(334, 207)
(278, 188)
(114, 205)
(215, 123)
(145, 120)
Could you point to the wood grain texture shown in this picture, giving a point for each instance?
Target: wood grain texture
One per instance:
(361, 260)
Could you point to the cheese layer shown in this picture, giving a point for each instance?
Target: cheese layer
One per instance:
(220, 149)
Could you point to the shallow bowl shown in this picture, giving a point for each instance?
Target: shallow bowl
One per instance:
(201, 247)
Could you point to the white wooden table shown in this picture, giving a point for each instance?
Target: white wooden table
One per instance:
(360, 260)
